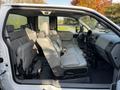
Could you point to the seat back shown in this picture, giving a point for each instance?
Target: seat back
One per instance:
(55, 38)
(22, 42)
(25, 55)
(51, 54)
(17, 38)
(66, 35)
(31, 34)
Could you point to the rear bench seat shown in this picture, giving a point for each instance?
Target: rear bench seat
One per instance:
(24, 39)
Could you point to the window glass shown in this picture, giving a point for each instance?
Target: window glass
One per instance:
(43, 23)
(89, 21)
(16, 20)
(66, 24)
(94, 25)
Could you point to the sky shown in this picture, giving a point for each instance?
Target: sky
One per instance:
(66, 2)
(59, 2)
(116, 1)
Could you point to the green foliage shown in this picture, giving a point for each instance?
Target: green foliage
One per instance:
(91, 22)
(69, 21)
(66, 24)
(16, 20)
(66, 28)
(113, 12)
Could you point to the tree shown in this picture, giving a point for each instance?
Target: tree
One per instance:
(98, 5)
(1, 2)
(113, 12)
(29, 1)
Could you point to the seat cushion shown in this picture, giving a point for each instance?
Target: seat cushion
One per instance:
(73, 58)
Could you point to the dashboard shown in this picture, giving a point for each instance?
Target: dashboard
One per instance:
(107, 45)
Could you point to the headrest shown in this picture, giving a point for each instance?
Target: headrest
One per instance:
(10, 28)
(42, 34)
(23, 26)
(53, 32)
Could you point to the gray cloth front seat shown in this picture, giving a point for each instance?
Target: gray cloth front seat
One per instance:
(72, 59)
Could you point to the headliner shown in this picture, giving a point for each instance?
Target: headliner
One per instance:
(54, 12)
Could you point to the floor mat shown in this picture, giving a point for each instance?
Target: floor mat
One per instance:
(103, 74)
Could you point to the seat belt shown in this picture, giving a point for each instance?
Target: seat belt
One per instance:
(12, 54)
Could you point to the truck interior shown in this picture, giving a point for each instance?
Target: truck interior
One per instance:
(62, 45)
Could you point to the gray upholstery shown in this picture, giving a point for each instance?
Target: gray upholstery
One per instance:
(17, 38)
(24, 53)
(22, 43)
(73, 58)
(31, 34)
(52, 46)
(41, 34)
(37, 67)
(10, 28)
(49, 51)
(66, 35)
(55, 38)
(51, 55)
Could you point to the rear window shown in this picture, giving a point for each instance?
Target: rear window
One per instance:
(16, 20)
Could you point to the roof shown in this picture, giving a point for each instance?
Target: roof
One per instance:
(46, 5)
(60, 7)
